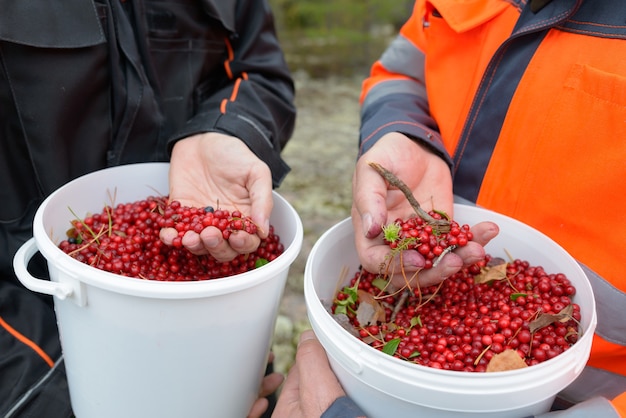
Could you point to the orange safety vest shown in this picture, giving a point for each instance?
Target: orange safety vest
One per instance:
(530, 106)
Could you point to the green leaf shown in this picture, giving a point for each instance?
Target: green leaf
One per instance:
(391, 346)
(380, 283)
(352, 293)
(341, 309)
(514, 296)
(260, 262)
(416, 320)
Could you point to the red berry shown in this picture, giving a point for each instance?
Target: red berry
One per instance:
(125, 240)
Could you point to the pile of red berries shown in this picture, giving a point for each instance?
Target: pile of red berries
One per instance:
(466, 320)
(125, 240)
(430, 240)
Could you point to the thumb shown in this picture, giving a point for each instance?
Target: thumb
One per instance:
(369, 201)
(259, 187)
(313, 363)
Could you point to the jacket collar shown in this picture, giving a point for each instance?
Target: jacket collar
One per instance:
(464, 15)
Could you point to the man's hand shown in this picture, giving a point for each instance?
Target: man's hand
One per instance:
(375, 204)
(218, 170)
(311, 386)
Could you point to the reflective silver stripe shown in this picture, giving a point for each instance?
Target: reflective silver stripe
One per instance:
(597, 407)
(610, 307)
(401, 57)
(591, 383)
(27, 397)
(393, 86)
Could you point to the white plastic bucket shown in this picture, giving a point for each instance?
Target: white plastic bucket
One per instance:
(139, 348)
(385, 386)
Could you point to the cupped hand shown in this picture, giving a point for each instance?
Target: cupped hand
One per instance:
(376, 203)
(213, 169)
(311, 386)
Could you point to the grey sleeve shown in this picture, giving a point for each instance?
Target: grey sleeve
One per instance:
(594, 407)
(343, 407)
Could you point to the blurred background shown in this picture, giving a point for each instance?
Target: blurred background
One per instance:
(329, 46)
(337, 37)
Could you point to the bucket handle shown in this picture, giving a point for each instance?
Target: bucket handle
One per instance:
(20, 264)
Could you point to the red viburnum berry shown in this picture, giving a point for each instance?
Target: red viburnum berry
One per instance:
(125, 240)
(462, 323)
(431, 241)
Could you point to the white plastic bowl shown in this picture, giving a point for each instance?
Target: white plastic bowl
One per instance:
(385, 386)
(140, 348)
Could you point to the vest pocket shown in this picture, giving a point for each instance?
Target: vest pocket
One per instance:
(601, 85)
(50, 24)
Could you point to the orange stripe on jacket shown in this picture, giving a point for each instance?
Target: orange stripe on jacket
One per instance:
(619, 403)
(24, 340)
(233, 94)
(229, 73)
(229, 59)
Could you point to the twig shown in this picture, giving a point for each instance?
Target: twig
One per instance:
(401, 301)
(443, 225)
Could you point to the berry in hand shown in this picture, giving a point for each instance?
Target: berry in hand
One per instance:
(431, 240)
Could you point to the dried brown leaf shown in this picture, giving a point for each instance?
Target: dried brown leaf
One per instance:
(506, 360)
(545, 319)
(497, 272)
(370, 311)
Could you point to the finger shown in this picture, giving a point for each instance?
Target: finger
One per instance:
(369, 196)
(243, 243)
(288, 405)
(319, 377)
(192, 242)
(404, 263)
(270, 384)
(370, 255)
(167, 235)
(258, 408)
(261, 200)
(446, 267)
(213, 241)
(484, 232)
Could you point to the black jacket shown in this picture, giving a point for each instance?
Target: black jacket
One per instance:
(85, 85)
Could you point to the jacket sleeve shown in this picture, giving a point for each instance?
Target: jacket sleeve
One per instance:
(619, 403)
(255, 99)
(598, 406)
(343, 407)
(393, 98)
